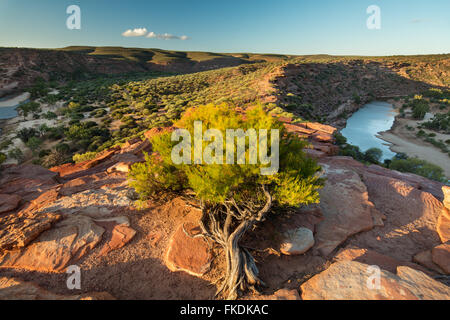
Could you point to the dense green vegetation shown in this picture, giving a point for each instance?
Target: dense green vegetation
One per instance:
(102, 111)
(420, 167)
(440, 122)
(419, 107)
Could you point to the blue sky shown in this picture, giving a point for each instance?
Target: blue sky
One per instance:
(283, 26)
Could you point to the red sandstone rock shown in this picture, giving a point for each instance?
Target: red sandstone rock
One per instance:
(446, 193)
(19, 229)
(351, 280)
(372, 257)
(68, 168)
(155, 131)
(9, 202)
(52, 251)
(320, 127)
(130, 142)
(184, 253)
(26, 181)
(419, 182)
(298, 129)
(322, 137)
(45, 199)
(316, 154)
(16, 289)
(101, 157)
(137, 147)
(329, 149)
(424, 258)
(443, 225)
(284, 119)
(121, 235)
(411, 218)
(345, 204)
(307, 217)
(441, 256)
(154, 237)
(282, 294)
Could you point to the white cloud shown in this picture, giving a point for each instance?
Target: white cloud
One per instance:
(166, 36)
(137, 32)
(140, 32)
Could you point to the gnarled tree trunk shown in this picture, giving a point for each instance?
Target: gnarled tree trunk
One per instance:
(216, 223)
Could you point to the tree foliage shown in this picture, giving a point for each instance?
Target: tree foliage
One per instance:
(420, 167)
(233, 197)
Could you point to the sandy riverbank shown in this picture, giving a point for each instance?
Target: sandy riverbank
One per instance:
(405, 141)
(9, 127)
(15, 101)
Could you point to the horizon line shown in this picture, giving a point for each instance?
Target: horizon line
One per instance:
(243, 52)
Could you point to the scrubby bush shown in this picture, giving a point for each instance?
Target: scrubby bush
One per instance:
(233, 197)
(420, 167)
(34, 143)
(26, 133)
(356, 98)
(351, 151)
(85, 134)
(25, 108)
(440, 122)
(419, 107)
(17, 154)
(339, 138)
(39, 89)
(77, 158)
(373, 155)
(50, 115)
(55, 158)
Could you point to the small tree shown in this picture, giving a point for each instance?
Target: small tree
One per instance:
(234, 198)
(34, 143)
(373, 155)
(17, 154)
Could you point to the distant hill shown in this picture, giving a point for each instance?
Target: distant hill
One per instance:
(165, 57)
(19, 67)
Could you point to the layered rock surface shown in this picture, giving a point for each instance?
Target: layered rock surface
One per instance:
(368, 215)
(351, 280)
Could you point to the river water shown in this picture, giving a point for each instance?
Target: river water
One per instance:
(365, 124)
(8, 105)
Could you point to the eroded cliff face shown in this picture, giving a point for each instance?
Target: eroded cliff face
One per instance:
(84, 214)
(334, 89)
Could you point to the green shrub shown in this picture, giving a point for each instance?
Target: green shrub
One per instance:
(77, 158)
(34, 143)
(419, 108)
(17, 154)
(420, 167)
(373, 155)
(234, 197)
(55, 158)
(25, 108)
(351, 151)
(50, 115)
(25, 134)
(339, 138)
(356, 98)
